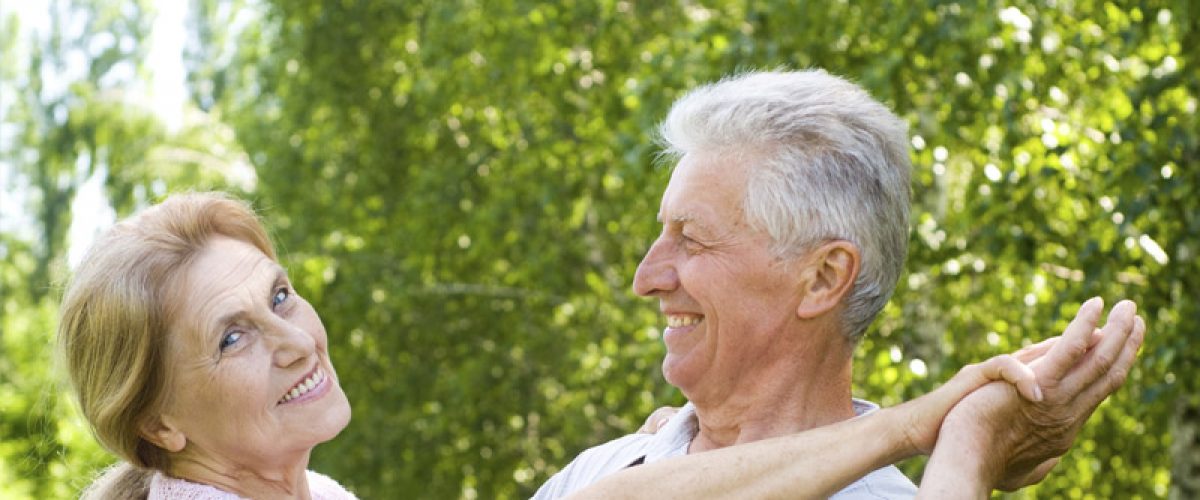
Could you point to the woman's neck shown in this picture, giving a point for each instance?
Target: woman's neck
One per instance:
(257, 480)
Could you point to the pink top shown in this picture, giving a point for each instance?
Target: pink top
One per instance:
(164, 487)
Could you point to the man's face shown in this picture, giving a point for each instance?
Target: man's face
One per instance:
(724, 293)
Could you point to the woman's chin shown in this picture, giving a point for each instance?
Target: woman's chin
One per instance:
(332, 415)
(338, 416)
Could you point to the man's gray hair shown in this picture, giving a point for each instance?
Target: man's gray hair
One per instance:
(828, 162)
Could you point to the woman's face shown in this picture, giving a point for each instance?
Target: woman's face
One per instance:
(251, 381)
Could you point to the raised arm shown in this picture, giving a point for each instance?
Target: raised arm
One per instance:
(792, 467)
(991, 438)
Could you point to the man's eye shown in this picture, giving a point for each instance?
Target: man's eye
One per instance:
(230, 339)
(280, 297)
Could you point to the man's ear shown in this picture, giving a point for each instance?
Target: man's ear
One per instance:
(159, 431)
(830, 272)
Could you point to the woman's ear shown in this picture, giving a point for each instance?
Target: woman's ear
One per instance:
(829, 276)
(162, 434)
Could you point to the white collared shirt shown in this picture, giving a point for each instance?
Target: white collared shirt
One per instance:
(672, 440)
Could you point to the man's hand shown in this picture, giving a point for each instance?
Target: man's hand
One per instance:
(1003, 441)
(1076, 375)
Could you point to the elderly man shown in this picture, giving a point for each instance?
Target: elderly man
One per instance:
(785, 225)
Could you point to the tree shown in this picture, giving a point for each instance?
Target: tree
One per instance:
(73, 124)
(487, 183)
(463, 190)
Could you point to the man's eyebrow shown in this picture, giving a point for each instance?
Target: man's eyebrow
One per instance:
(683, 218)
(690, 219)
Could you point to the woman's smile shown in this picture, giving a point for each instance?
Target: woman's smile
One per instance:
(313, 386)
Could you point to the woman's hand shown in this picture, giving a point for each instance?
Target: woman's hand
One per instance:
(923, 416)
(657, 419)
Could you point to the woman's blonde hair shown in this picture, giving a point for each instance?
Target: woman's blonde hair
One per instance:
(116, 314)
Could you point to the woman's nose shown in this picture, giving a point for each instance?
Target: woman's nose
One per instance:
(292, 343)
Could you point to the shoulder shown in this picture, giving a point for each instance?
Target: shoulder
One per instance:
(863, 407)
(595, 463)
(883, 483)
(321, 487)
(164, 487)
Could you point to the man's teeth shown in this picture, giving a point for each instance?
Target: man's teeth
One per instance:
(682, 320)
(304, 386)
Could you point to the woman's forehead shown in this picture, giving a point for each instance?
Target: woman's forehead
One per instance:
(227, 277)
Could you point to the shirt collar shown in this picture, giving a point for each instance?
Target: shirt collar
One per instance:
(674, 437)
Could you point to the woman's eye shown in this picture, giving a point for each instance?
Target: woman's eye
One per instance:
(280, 296)
(229, 339)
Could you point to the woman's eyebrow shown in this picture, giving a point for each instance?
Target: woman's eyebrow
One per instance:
(233, 316)
(227, 319)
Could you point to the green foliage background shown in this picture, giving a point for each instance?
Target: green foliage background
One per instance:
(464, 188)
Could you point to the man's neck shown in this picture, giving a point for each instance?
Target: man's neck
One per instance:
(777, 402)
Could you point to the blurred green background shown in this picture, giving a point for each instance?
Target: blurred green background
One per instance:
(464, 188)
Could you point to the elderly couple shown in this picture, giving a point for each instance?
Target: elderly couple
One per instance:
(785, 225)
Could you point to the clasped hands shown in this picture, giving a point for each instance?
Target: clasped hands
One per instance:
(1002, 423)
(1007, 420)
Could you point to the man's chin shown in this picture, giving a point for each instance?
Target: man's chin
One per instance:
(677, 373)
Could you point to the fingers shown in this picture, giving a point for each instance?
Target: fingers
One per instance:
(1067, 351)
(1115, 376)
(1106, 355)
(1030, 353)
(1010, 369)
(967, 379)
(657, 419)
(1095, 338)
(924, 414)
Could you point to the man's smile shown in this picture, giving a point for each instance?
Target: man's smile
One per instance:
(682, 320)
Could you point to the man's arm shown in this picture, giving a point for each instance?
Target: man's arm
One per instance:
(815, 463)
(993, 439)
(819, 462)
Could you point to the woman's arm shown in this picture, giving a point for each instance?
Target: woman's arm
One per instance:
(814, 463)
(986, 448)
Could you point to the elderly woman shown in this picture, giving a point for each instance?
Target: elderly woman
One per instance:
(195, 360)
(197, 363)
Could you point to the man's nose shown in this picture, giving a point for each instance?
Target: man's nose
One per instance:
(656, 273)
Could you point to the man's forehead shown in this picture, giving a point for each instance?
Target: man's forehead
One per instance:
(705, 180)
(678, 218)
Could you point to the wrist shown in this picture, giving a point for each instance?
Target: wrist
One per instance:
(964, 455)
(956, 473)
(898, 428)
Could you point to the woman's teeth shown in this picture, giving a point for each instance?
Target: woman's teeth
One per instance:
(304, 386)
